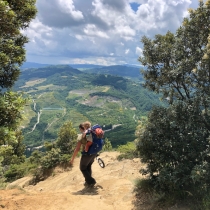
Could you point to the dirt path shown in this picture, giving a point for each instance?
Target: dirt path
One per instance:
(65, 190)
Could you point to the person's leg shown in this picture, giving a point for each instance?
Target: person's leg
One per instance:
(85, 167)
(89, 166)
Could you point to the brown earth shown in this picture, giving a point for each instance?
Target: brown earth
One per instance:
(65, 191)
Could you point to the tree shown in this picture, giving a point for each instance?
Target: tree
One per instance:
(14, 17)
(67, 137)
(175, 143)
(107, 145)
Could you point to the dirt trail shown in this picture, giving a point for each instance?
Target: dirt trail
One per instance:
(65, 190)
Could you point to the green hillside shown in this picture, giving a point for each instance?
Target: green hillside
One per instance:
(62, 93)
(118, 70)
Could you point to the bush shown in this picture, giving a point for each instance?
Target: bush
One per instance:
(2, 178)
(14, 172)
(64, 160)
(17, 171)
(174, 145)
(50, 159)
(107, 145)
(67, 137)
(128, 151)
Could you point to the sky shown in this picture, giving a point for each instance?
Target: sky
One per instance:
(101, 32)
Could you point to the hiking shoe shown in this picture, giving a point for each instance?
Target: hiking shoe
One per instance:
(89, 185)
(86, 184)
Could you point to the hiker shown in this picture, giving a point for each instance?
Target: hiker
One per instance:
(86, 160)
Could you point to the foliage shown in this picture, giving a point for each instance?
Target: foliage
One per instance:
(175, 142)
(46, 162)
(12, 148)
(107, 145)
(128, 151)
(66, 138)
(117, 82)
(2, 178)
(15, 16)
(13, 153)
(123, 71)
(63, 87)
(50, 159)
(35, 157)
(64, 160)
(15, 171)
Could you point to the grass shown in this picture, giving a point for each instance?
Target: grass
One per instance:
(3, 184)
(31, 83)
(127, 151)
(28, 114)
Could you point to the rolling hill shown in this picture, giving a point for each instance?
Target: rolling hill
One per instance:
(62, 93)
(119, 70)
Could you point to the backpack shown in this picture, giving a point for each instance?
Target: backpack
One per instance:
(98, 142)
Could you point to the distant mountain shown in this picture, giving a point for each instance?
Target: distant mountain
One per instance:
(85, 66)
(27, 65)
(126, 70)
(47, 71)
(119, 70)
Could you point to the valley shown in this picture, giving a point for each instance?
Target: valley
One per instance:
(61, 93)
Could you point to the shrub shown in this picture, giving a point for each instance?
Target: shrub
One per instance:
(175, 146)
(14, 172)
(66, 138)
(50, 159)
(107, 145)
(128, 151)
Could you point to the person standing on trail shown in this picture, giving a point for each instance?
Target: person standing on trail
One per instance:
(86, 160)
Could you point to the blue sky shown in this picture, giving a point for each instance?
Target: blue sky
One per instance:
(104, 32)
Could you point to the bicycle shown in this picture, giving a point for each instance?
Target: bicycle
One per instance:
(100, 161)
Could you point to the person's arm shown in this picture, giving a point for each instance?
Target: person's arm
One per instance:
(77, 149)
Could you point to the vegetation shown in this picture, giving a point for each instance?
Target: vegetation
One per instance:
(122, 71)
(107, 145)
(2, 178)
(15, 16)
(128, 151)
(61, 93)
(175, 141)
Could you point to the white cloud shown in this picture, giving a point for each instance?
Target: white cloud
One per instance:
(68, 7)
(107, 31)
(127, 51)
(91, 30)
(139, 51)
